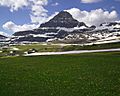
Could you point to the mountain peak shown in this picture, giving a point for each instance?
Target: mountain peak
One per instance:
(63, 15)
(62, 19)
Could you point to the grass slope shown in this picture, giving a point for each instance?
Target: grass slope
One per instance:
(95, 74)
(92, 47)
(39, 47)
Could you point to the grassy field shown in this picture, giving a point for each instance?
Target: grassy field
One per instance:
(39, 47)
(92, 47)
(56, 48)
(94, 74)
(53, 48)
(25, 48)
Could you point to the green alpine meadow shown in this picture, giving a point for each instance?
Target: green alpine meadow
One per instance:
(88, 74)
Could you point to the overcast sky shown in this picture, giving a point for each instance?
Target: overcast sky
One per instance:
(19, 15)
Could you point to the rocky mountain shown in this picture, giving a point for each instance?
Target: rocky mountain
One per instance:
(64, 28)
(3, 39)
(57, 27)
(63, 19)
(2, 36)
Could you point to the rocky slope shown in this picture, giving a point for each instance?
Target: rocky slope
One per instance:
(64, 28)
(63, 19)
(2, 37)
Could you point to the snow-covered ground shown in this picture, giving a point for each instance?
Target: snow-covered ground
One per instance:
(72, 52)
(15, 49)
(106, 42)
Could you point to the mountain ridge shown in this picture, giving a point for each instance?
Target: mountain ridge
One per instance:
(63, 27)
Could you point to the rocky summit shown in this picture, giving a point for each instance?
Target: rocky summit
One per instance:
(64, 28)
(63, 19)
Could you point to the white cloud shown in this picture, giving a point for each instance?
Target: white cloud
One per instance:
(13, 27)
(43, 19)
(94, 17)
(38, 20)
(37, 9)
(112, 7)
(39, 2)
(55, 4)
(38, 12)
(3, 33)
(14, 4)
(90, 1)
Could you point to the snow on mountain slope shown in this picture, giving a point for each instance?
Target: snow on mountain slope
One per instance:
(63, 27)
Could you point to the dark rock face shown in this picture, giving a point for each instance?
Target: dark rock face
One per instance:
(31, 39)
(110, 24)
(63, 19)
(35, 32)
(2, 37)
(92, 27)
(61, 34)
(23, 33)
(113, 24)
